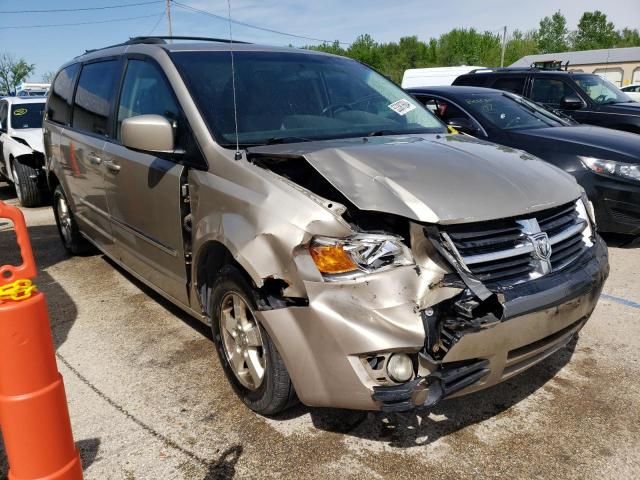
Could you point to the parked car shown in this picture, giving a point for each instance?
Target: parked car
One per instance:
(585, 97)
(605, 163)
(21, 150)
(343, 247)
(429, 77)
(632, 91)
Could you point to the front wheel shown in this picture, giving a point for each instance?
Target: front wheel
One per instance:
(25, 180)
(248, 356)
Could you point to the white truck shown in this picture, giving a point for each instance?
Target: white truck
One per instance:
(21, 147)
(30, 89)
(434, 77)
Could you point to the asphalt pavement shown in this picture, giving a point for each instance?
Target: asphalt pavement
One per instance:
(148, 399)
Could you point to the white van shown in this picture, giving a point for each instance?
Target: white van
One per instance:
(433, 77)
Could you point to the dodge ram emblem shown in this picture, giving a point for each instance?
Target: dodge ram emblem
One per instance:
(541, 250)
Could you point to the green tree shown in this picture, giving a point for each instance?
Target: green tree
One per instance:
(628, 38)
(334, 48)
(463, 46)
(13, 71)
(366, 50)
(552, 34)
(47, 77)
(520, 44)
(594, 31)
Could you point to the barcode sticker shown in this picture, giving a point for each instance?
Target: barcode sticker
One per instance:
(402, 106)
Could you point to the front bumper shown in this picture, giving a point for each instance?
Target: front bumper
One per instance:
(616, 203)
(534, 326)
(323, 344)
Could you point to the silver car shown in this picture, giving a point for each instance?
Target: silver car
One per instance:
(346, 249)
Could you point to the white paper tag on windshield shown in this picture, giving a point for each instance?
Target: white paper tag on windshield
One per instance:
(402, 106)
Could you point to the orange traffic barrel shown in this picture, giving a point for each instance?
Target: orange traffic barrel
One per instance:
(34, 417)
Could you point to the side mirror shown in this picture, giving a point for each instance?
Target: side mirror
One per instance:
(463, 125)
(149, 133)
(571, 102)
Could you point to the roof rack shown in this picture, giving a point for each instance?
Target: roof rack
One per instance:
(160, 40)
(551, 65)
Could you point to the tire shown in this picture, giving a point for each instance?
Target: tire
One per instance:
(25, 182)
(73, 242)
(274, 392)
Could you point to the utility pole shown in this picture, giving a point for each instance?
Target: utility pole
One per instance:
(504, 44)
(169, 17)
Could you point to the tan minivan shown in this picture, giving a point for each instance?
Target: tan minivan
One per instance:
(346, 249)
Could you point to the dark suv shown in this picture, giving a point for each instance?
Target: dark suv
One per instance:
(585, 97)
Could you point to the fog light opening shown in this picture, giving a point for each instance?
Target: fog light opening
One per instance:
(400, 367)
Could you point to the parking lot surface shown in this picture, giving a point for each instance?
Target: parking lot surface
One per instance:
(148, 399)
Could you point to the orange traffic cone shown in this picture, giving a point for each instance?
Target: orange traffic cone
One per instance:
(34, 418)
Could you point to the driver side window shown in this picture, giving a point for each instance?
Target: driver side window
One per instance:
(145, 91)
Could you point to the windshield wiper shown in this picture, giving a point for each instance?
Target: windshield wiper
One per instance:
(279, 140)
(381, 133)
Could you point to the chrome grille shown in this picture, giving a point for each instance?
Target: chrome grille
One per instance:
(515, 250)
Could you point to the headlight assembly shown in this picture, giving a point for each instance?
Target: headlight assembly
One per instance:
(628, 171)
(358, 254)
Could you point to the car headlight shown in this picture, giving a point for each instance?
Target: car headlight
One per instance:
(358, 254)
(585, 212)
(611, 168)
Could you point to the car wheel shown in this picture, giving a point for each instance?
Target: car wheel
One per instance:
(248, 356)
(25, 181)
(70, 235)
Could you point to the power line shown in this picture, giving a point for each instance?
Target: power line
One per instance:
(244, 24)
(157, 23)
(83, 9)
(77, 23)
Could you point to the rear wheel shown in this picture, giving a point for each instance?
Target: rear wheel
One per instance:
(248, 356)
(71, 238)
(25, 180)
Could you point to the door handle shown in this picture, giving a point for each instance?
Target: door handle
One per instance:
(94, 159)
(114, 167)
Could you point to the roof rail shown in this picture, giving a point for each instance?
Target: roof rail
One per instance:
(159, 40)
(163, 38)
(532, 68)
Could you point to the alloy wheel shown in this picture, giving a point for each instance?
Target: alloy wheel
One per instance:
(64, 218)
(242, 341)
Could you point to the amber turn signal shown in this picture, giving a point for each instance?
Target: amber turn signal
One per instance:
(332, 259)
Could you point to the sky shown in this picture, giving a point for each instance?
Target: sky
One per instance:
(49, 47)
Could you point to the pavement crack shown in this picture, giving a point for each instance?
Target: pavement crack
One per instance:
(150, 430)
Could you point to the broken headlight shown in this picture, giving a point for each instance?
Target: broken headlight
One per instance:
(614, 169)
(359, 254)
(584, 208)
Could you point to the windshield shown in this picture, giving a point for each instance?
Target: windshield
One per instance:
(509, 112)
(295, 97)
(26, 115)
(601, 90)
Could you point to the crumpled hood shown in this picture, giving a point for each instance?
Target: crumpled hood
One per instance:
(435, 178)
(33, 136)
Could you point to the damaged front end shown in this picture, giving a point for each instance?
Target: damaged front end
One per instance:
(405, 312)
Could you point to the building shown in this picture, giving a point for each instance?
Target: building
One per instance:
(620, 66)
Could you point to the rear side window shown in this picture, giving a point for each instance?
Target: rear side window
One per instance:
(471, 80)
(550, 91)
(510, 84)
(93, 96)
(60, 98)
